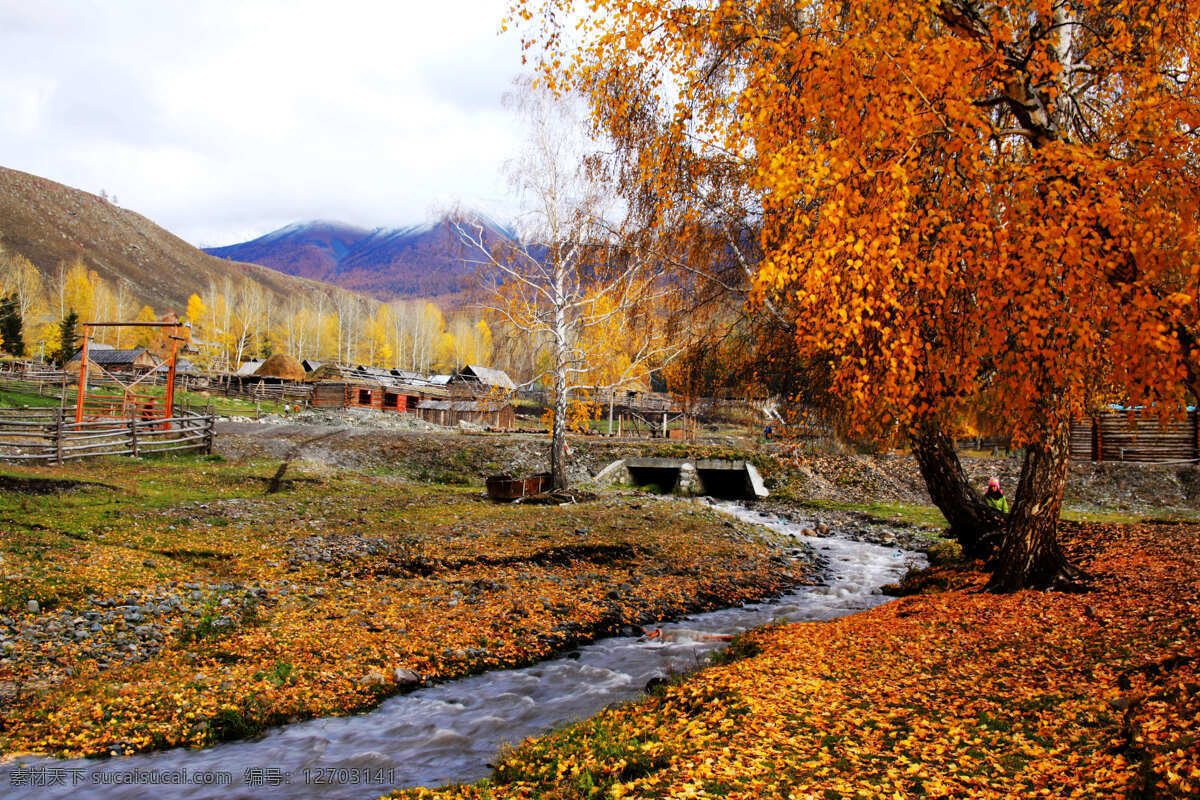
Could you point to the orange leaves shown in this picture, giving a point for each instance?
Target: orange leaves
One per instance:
(356, 576)
(952, 695)
(1026, 215)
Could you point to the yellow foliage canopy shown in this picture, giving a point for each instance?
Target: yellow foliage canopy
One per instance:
(962, 203)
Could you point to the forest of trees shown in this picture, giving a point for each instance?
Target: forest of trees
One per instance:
(236, 321)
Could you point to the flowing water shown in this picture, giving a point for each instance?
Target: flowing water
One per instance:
(449, 733)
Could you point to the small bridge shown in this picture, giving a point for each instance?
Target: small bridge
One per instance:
(723, 478)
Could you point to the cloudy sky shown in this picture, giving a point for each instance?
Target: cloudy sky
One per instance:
(223, 119)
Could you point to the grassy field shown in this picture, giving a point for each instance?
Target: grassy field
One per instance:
(189, 600)
(17, 396)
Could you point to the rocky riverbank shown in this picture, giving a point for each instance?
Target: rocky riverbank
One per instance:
(188, 601)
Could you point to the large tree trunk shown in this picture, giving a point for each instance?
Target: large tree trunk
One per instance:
(971, 520)
(1030, 556)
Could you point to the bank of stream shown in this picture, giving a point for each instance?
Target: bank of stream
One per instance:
(450, 732)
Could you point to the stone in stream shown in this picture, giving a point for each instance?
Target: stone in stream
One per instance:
(406, 677)
(372, 679)
(32, 606)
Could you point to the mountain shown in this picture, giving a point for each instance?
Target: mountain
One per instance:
(307, 250)
(416, 261)
(52, 224)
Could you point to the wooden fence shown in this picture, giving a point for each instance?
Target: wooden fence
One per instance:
(1136, 436)
(255, 388)
(51, 435)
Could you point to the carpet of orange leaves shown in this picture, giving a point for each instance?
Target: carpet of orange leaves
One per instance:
(450, 585)
(953, 695)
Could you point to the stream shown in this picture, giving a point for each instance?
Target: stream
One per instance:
(448, 733)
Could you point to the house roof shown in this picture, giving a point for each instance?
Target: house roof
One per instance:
(248, 368)
(181, 365)
(485, 375)
(113, 357)
(311, 365)
(371, 376)
(410, 377)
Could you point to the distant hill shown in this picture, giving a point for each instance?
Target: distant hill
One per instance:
(51, 224)
(416, 261)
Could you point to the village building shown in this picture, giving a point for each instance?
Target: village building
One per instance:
(183, 366)
(338, 386)
(1136, 434)
(136, 360)
(478, 380)
(497, 414)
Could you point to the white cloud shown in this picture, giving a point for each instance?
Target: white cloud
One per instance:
(223, 119)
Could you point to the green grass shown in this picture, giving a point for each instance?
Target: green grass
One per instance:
(239, 406)
(930, 517)
(17, 399)
(1126, 516)
(220, 404)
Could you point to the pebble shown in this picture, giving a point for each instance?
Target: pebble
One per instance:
(116, 631)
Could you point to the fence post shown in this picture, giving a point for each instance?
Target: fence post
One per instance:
(58, 436)
(133, 435)
(209, 424)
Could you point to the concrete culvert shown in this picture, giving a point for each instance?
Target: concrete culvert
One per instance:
(661, 479)
(725, 484)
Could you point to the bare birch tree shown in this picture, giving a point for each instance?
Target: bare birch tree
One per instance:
(570, 273)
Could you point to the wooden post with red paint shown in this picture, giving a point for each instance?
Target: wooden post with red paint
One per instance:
(83, 362)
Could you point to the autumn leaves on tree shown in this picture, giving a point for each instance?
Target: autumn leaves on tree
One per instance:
(966, 207)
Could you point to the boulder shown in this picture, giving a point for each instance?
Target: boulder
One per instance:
(372, 678)
(406, 677)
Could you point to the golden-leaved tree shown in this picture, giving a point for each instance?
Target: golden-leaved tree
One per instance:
(964, 203)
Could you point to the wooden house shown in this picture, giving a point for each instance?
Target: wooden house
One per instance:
(337, 386)
(1136, 435)
(477, 380)
(136, 360)
(485, 413)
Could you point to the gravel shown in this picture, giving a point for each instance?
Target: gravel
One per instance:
(117, 630)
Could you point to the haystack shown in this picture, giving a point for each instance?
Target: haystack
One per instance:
(281, 366)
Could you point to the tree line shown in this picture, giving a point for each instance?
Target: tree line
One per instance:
(234, 321)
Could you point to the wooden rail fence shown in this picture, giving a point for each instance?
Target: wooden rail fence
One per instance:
(51, 435)
(1136, 436)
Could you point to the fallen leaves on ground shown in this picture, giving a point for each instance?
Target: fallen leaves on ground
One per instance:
(221, 602)
(953, 695)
